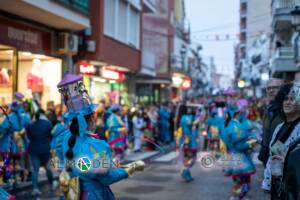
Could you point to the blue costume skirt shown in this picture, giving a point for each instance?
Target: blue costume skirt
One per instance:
(238, 164)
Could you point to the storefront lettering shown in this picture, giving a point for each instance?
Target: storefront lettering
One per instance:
(87, 69)
(22, 36)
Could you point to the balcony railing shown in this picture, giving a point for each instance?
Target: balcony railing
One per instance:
(283, 60)
(81, 6)
(284, 4)
(284, 52)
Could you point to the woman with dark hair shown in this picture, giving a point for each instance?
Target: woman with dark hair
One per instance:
(187, 140)
(285, 134)
(89, 169)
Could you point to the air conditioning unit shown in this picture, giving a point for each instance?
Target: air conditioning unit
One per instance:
(67, 43)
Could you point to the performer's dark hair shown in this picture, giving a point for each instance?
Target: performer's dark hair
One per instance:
(182, 111)
(227, 120)
(74, 129)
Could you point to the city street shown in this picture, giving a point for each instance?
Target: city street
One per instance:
(167, 99)
(161, 180)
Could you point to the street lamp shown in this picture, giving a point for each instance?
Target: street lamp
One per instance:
(183, 54)
(183, 51)
(296, 18)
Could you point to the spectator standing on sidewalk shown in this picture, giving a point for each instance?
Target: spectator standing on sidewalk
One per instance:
(39, 135)
(138, 125)
(272, 117)
(153, 116)
(284, 135)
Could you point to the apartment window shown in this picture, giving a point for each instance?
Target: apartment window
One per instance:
(134, 32)
(122, 21)
(109, 25)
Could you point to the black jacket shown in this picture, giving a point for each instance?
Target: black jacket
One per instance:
(291, 174)
(271, 119)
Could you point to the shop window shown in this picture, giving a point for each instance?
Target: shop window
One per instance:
(6, 75)
(122, 21)
(38, 76)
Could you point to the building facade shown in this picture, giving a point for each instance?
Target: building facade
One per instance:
(37, 42)
(111, 51)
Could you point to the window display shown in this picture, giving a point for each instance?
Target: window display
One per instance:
(6, 71)
(40, 75)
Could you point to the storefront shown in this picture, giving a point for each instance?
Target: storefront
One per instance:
(26, 64)
(152, 90)
(104, 84)
(180, 83)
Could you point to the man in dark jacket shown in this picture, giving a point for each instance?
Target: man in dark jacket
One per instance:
(271, 119)
(39, 135)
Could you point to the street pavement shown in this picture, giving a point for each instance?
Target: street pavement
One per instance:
(161, 180)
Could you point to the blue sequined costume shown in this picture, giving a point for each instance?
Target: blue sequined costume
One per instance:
(188, 145)
(94, 184)
(16, 121)
(164, 124)
(114, 125)
(239, 162)
(91, 159)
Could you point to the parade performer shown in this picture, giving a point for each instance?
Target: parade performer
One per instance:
(214, 126)
(246, 124)
(239, 164)
(117, 132)
(187, 142)
(164, 124)
(13, 140)
(88, 160)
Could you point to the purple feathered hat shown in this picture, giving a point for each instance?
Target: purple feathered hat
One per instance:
(75, 96)
(77, 100)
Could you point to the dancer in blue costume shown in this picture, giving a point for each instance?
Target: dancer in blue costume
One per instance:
(246, 124)
(15, 125)
(117, 132)
(239, 164)
(214, 127)
(187, 140)
(164, 124)
(13, 142)
(88, 162)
